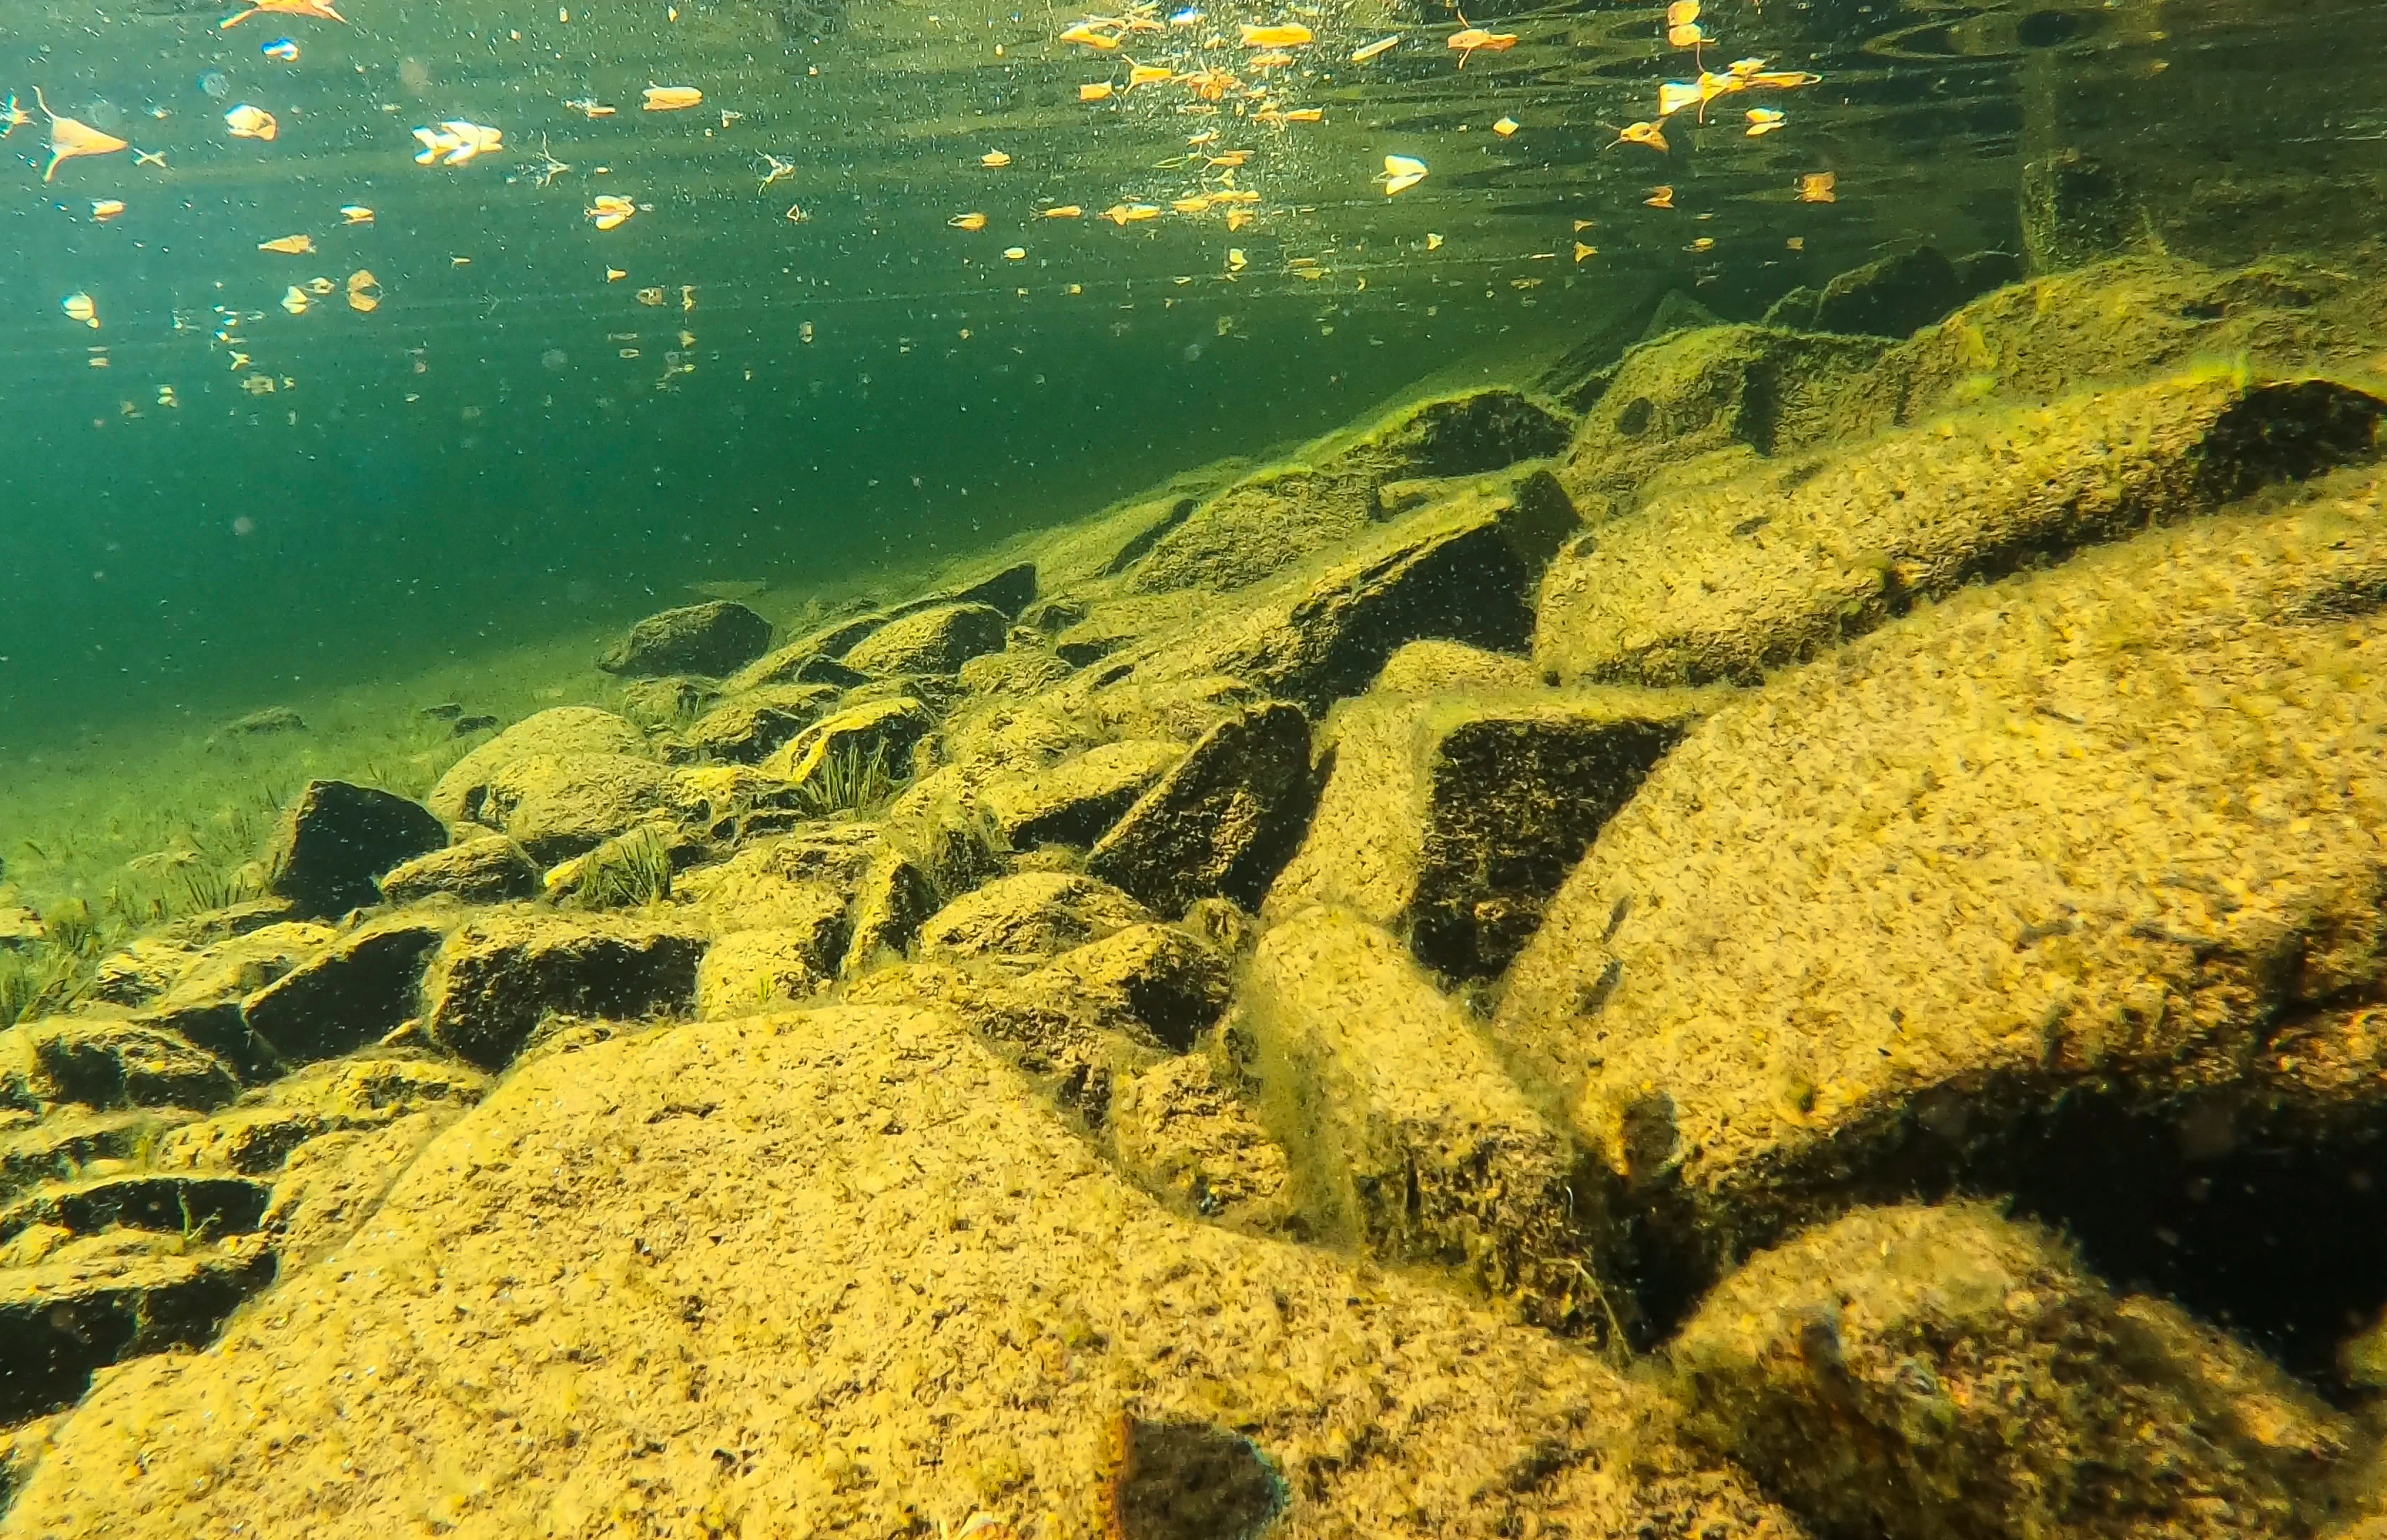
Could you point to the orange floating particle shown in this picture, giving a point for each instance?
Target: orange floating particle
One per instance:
(1819, 187)
(1099, 91)
(1660, 197)
(290, 246)
(69, 139)
(672, 98)
(968, 221)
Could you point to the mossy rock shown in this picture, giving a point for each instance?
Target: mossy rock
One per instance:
(2075, 871)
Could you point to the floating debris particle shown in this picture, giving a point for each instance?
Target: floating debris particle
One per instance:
(672, 98)
(1099, 91)
(78, 307)
(609, 212)
(1649, 135)
(1064, 211)
(70, 138)
(1764, 120)
(1401, 173)
(1288, 34)
(1819, 187)
(1015, 253)
(1505, 127)
(280, 48)
(590, 107)
(356, 213)
(364, 291)
(105, 209)
(1660, 197)
(322, 9)
(290, 246)
(252, 123)
(1381, 46)
(994, 160)
(295, 300)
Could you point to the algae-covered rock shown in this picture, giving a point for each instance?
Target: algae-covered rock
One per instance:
(1452, 818)
(1183, 1132)
(873, 732)
(97, 1301)
(763, 967)
(496, 976)
(333, 1183)
(1221, 821)
(489, 869)
(337, 839)
(461, 793)
(669, 702)
(1408, 1137)
(1460, 571)
(711, 638)
(847, 1389)
(1724, 389)
(1074, 802)
(1888, 297)
(1152, 979)
(109, 1062)
(936, 640)
(1271, 520)
(2101, 840)
(260, 1133)
(166, 1202)
(1917, 1372)
(748, 726)
(1727, 581)
(354, 993)
(890, 904)
(69, 1139)
(559, 805)
(1019, 922)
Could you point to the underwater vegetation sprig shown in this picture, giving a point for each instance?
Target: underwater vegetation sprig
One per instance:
(850, 781)
(626, 872)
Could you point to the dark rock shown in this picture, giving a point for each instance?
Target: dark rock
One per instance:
(557, 730)
(1010, 590)
(1020, 922)
(445, 711)
(351, 995)
(495, 978)
(1885, 299)
(894, 898)
(490, 869)
(1423, 1148)
(1222, 821)
(1452, 818)
(1728, 580)
(936, 640)
(97, 1301)
(711, 638)
(746, 728)
(467, 726)
(108, 1062)
(1157, 978)
(173, 1204)
(234, 919)
(338, 838)
(811, 659)
(1918, 1372)
(1076, 800)
(1984, 271)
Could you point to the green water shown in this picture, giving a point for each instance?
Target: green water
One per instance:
(474, 463)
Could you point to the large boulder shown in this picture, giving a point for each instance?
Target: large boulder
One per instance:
(928, 1299)
(1222, 821)
(1918, 1372)
(103, 1061)
(845, 743)
(936, 640)
(1727, 581)
(497, 978)
(711, 638)
(337, 839)
(1412, 1140)
(460, 793)
(2069, 885)
(560, 805)
(1450, 816)
(746, 727)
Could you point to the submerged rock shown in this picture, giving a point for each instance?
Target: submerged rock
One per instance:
(260, 1133)
(714, 638)
(109, 1062)
(560, 805)
(337, 839)
(1181, 1133)
(846, 743)
(1074, 802)
(1409, 1136)
(1222, 821)
(1920, 1372)
(496, 976)
(489, 870)
(818, 1145)
(745, 728)
(460, 794)
(1885, 299)
(1019, 922)
(936, 640)
(355, 992)
(2068, 884)
(1452, 818)
(1727, 581)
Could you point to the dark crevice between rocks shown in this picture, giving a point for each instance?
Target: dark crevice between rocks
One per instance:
(1190, 1481)
(2247, 1216)
(55, 1348)
(1132, 552)
(2286, 433)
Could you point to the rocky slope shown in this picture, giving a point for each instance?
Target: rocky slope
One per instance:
(1544, 970)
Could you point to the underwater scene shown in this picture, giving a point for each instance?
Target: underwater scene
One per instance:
(927, 769)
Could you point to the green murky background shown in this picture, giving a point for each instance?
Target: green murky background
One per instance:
(475, 466)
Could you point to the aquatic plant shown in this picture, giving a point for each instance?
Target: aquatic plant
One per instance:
(626, 872)
(850, 782)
